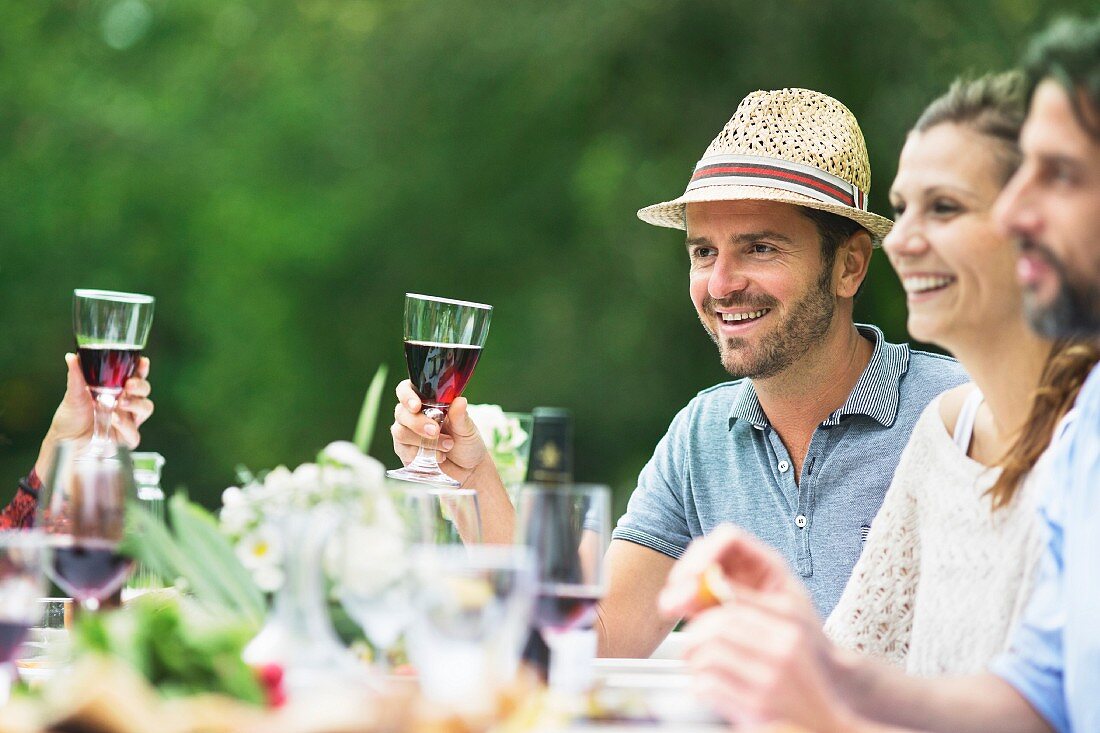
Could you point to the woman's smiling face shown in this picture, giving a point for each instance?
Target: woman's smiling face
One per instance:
(958, 271)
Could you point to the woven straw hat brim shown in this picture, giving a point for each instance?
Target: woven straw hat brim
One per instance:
(671, 213)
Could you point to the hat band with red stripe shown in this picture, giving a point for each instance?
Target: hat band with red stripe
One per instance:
(759, 170)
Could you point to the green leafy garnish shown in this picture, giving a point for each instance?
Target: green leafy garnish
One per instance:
(368, 415)
(179, 648)
(196, 555)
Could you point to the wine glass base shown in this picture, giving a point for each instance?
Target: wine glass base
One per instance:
(436, 477)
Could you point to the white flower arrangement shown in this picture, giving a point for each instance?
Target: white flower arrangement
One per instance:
(343, 479)
(505, 439)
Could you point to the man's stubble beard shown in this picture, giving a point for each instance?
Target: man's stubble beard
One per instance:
(806, 326)
(1075, 310)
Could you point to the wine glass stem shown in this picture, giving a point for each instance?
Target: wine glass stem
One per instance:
(427, 452)
(426, 456)
(104, 409)
(90, 605)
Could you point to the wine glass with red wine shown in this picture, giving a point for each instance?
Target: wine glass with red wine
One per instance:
(567, 526)
(22, 554)
(111, 329)
(82, 511)
(443, 340)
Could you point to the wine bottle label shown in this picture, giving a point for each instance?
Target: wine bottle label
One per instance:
(551, 460)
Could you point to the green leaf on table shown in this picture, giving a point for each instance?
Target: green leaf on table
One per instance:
(194, 553)
(148, 541)
(198, 533)
(368, 415)
(152, 540)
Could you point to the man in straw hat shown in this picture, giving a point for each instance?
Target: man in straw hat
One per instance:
(763, 656)
(800, 448)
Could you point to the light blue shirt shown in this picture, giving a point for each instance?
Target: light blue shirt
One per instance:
(721, 461)
(1054, 657)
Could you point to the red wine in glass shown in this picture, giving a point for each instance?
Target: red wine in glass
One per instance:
(22, 554)
(567, 527)
(443, 340)
(12, 634)
(111, 328)
(107, 367)
(566, 608)
(88, 568)
(439, 372)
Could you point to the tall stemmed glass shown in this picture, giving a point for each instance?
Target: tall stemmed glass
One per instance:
(569, 529)
(470, 615)
(111, 329)
(443, 516)
(443, 340)
(82, 512)
(378, 588)
(22, 556)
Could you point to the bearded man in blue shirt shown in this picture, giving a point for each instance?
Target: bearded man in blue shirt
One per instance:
(765, 655)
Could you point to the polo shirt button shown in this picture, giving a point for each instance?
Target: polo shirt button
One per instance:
(800, 520)
(783, 466)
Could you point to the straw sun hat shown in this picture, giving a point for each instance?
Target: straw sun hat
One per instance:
(794, 146)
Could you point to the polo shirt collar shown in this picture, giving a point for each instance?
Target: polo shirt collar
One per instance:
(876, 393)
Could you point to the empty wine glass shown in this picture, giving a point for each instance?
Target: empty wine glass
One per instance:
(111, 329)
(22, 555)
(568, 528)
(82, 513)
(443, 340)
(378, 588)
(442, 516)
(375, 585)
(472, 610)
(150, 496)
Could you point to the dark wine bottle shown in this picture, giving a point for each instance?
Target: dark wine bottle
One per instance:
(550, 462)
(551, 459)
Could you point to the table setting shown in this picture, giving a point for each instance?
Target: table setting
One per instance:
(332, 596)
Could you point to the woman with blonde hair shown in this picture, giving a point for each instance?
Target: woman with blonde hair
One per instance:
(949, 559)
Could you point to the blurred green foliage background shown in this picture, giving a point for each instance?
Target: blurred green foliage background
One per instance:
(279, 173)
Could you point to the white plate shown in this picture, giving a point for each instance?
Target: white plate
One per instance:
(639, 666)
(663, 684)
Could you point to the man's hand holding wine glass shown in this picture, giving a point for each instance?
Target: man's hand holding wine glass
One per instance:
(460, 448)
(462, 456)
(74, 416)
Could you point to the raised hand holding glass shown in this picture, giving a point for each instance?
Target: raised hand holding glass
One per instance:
(111, 329)
(443, 340)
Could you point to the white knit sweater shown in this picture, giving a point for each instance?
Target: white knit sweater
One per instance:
(942, 579)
